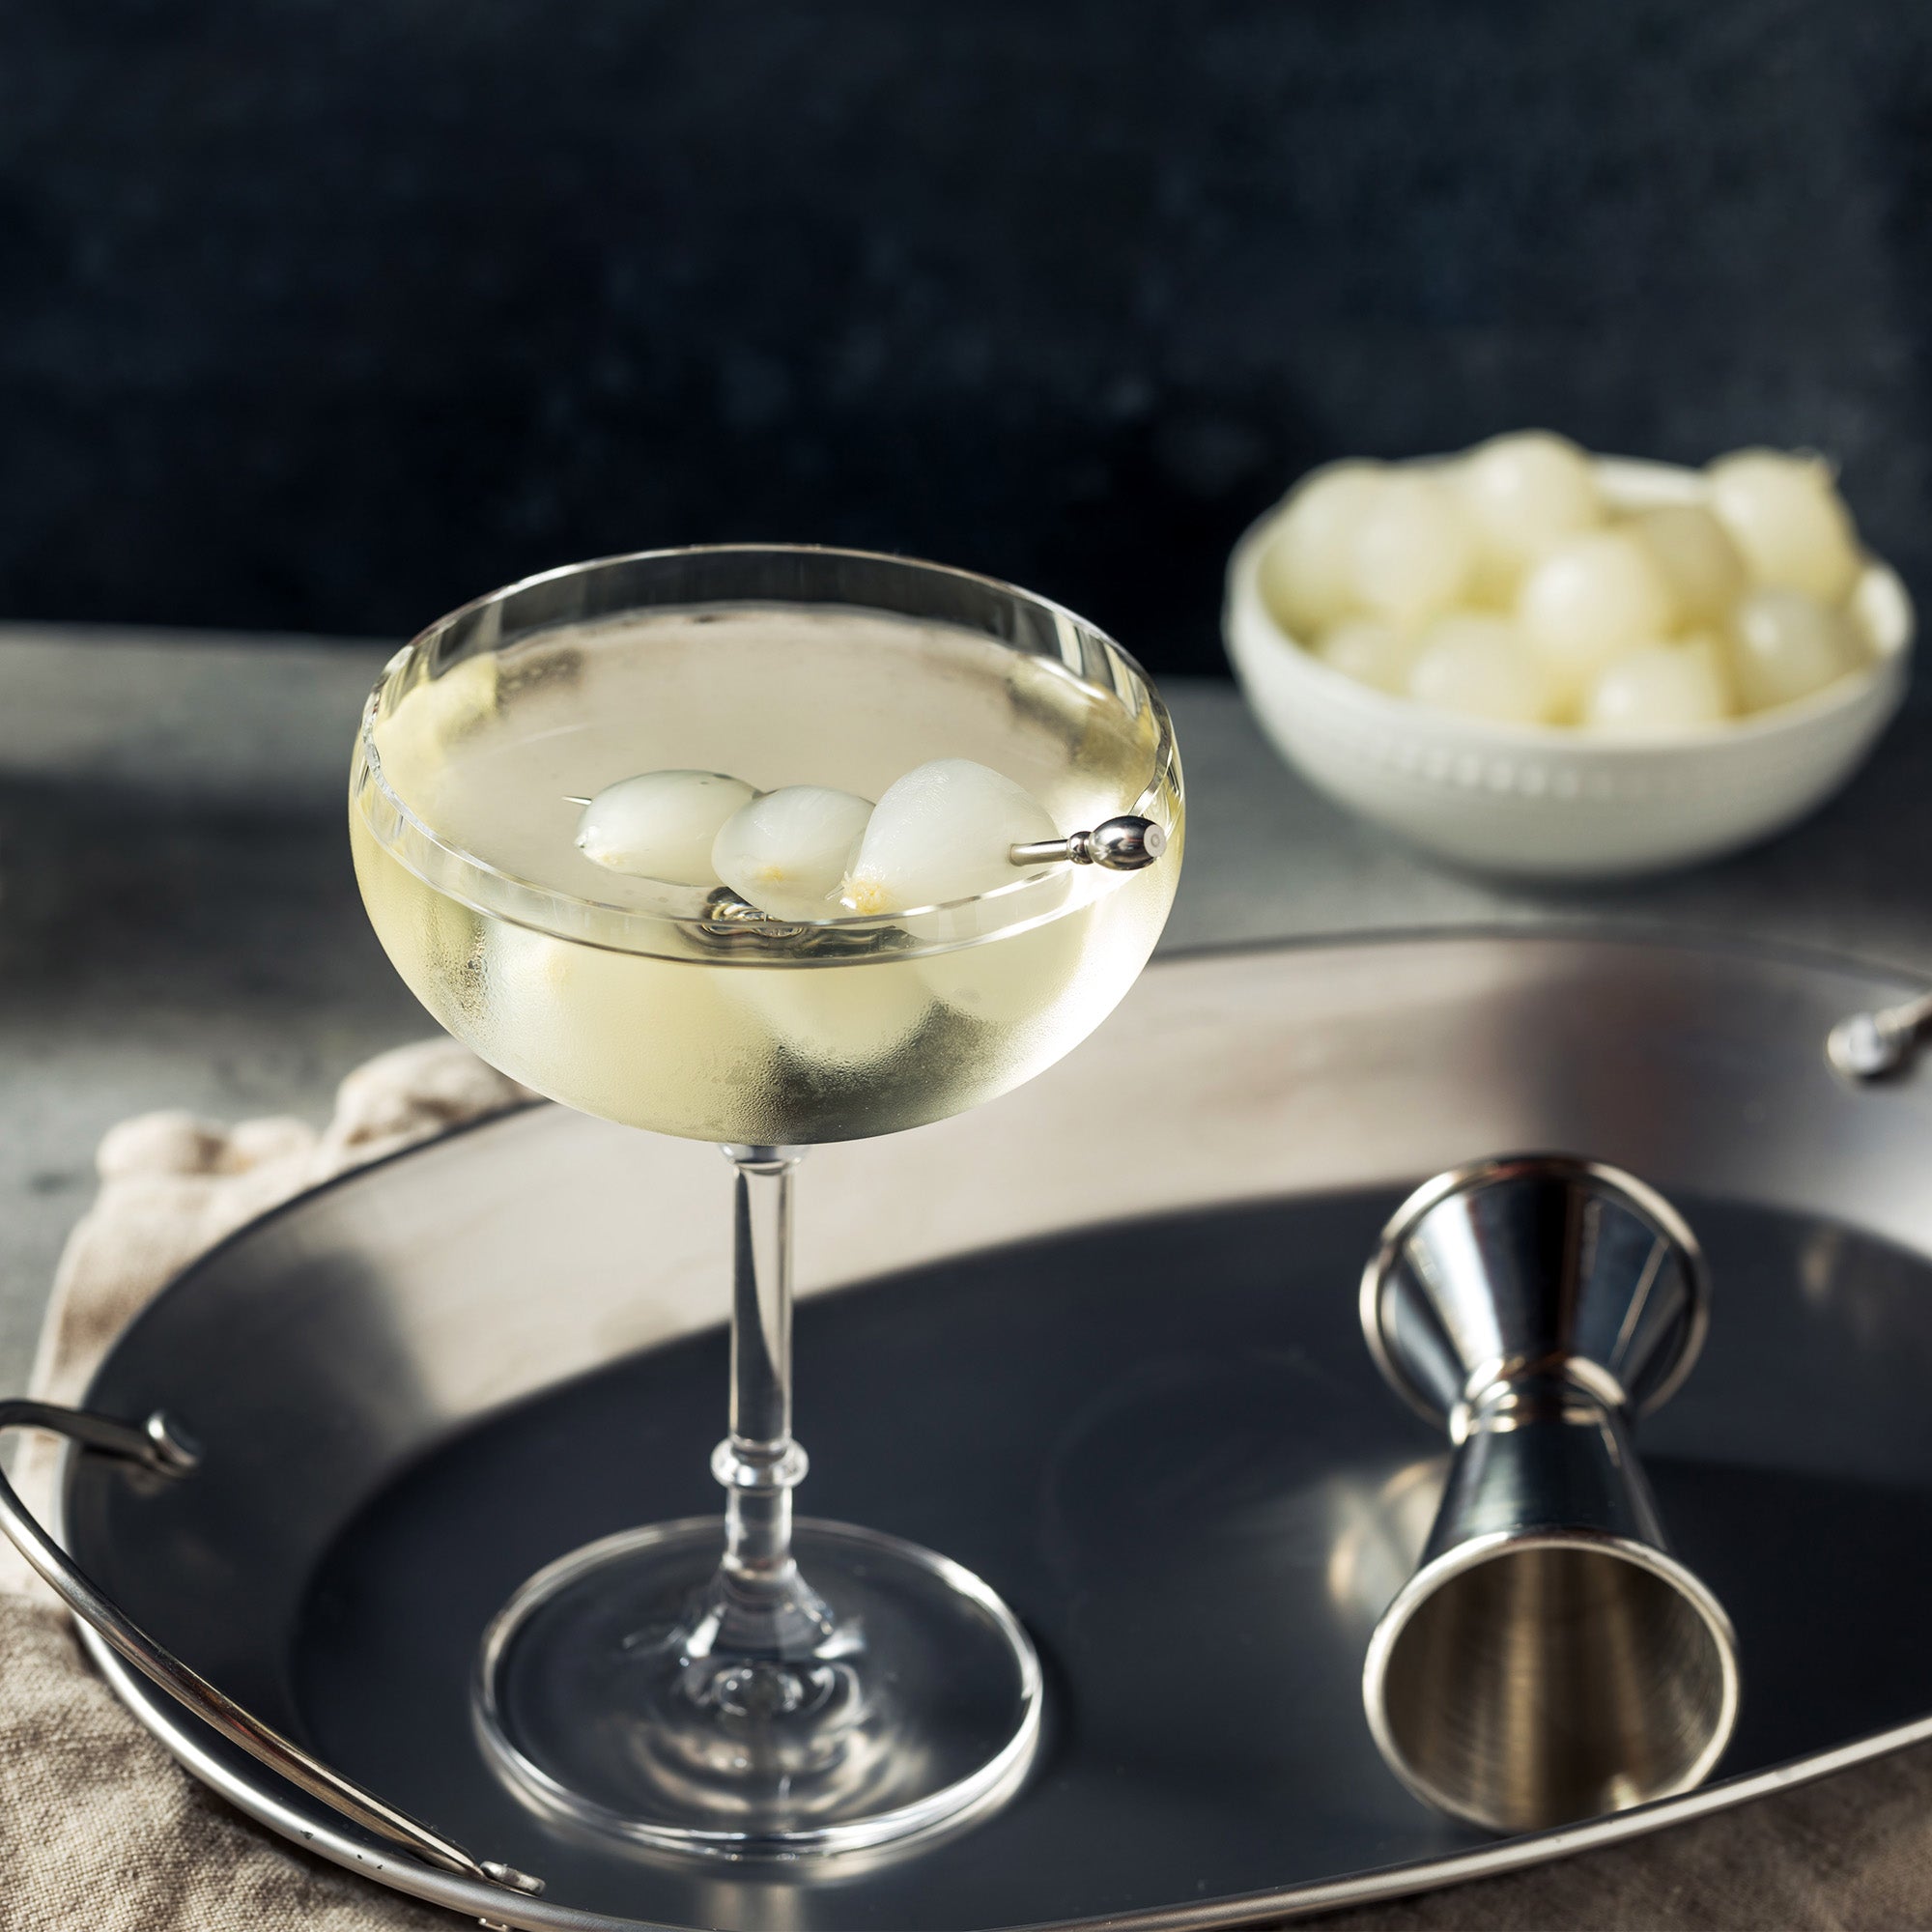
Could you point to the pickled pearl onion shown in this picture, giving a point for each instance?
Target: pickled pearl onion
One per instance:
(1415, 553)
(1785, 645)
(943, 832)
(1525, 492)
(788, 851)
(1591, 599)
(1788, 518)
(1480, 666)
(1660, 689)
(1698, 559)
(1306, 571)
(661, 825)
(1369, 652)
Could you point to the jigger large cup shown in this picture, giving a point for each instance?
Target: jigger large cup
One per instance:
(1550, 1659)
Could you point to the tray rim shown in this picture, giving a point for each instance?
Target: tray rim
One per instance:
(321, 1831)
(1585, 929)
(491, 1902)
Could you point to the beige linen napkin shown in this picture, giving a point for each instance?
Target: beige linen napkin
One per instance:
(100, 1832)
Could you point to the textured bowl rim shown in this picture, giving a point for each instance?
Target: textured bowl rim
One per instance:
(1889, 618)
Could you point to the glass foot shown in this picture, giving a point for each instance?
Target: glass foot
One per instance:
(623, 1687)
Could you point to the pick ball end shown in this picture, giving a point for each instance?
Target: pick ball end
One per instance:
(1125, 845)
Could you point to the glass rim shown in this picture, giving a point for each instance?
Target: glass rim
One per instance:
(1047, 887)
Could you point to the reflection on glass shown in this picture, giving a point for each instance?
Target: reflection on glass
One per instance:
(757, 1685)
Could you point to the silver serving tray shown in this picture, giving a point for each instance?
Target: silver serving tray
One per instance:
(1161, 1438)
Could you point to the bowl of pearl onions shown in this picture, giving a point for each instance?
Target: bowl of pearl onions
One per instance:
(1534, 661)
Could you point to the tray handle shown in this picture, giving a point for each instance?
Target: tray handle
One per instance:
(158, 1446)
(1870, 1046)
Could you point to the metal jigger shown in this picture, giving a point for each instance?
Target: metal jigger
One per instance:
(1550, 1659)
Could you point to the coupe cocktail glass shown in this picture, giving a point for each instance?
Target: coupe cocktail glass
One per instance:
(755, 1685)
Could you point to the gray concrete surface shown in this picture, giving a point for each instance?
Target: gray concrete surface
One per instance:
(178, 926)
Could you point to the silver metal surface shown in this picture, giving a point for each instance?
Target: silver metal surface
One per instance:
(158, 1446)
(1551, 1660)
(1869, 1047)
(1161, 1442)
(1124, 844)
(732, 924)
(1534, 1264)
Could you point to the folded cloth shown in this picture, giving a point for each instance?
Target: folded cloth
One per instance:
(100, 1832)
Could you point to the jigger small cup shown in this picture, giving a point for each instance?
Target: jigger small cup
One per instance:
(1550, 1659)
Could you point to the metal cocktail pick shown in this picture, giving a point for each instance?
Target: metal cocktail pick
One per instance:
(1550, 1659)
(1123, 845)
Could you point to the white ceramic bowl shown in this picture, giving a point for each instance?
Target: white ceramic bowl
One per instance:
(1550, 801)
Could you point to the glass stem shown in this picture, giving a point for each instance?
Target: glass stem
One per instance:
(768, 1607)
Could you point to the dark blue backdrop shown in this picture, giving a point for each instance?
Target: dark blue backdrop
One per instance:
(317, 315)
